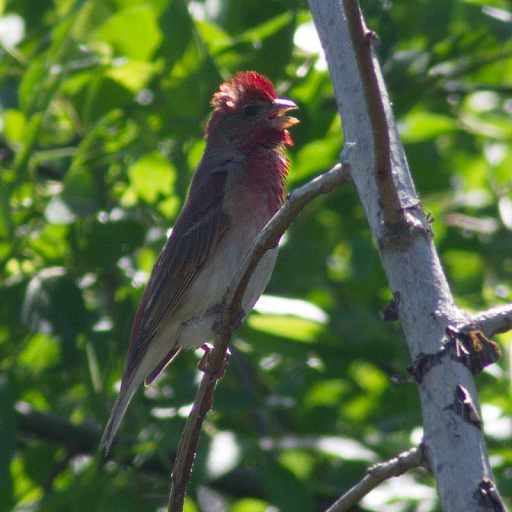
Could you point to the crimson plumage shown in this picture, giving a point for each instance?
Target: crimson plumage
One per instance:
(238, 186)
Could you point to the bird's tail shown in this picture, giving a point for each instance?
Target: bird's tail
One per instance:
(117, 414)
(146, 370)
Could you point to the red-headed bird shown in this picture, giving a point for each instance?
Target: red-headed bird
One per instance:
(238, 186)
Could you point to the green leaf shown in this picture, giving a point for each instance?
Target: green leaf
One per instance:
(418, 126)
(132, 75)
(15, 126)
(133, 33)
(326, 392)
(152, 176)
(105, 96)
(315, 157)
(294, 328)
(250, 505)
(41, 353)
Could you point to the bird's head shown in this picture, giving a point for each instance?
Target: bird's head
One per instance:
(248, 114)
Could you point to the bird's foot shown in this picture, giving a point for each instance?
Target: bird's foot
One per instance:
(205, 364)
(207, 348)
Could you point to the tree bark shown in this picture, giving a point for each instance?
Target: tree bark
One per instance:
(373, 152)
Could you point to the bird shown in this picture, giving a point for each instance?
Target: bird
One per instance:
(238, 186)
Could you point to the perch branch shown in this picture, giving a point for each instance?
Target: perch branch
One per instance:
(216, 359)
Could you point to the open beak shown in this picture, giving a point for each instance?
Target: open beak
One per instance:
(277, 118)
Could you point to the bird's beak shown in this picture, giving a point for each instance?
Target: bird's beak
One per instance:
(277, 119)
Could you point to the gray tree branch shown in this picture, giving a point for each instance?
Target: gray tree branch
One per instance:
(453, 436)
(494, 321)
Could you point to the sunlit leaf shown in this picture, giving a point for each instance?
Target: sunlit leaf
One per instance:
(421, 125)
(297, 329)
(133, 33)
(152, 176)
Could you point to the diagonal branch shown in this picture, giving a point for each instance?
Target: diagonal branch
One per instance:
(376, 474)
(216, 360)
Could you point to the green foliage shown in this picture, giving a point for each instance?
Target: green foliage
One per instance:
(102, 107)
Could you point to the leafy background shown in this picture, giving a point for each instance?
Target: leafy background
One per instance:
(102, 107)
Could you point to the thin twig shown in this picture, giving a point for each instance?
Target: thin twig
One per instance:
(216, 359)
(376, 474)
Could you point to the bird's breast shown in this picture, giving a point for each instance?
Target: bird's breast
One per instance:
(201, 302)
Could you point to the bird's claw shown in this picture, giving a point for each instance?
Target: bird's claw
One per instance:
(205, 363)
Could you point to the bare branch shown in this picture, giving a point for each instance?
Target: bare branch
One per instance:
(190, 438)
(494, 321)
(215, 362)
(376, 474)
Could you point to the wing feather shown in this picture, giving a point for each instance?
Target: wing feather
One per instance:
(196, 234)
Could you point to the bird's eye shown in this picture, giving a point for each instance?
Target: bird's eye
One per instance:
(250, 110)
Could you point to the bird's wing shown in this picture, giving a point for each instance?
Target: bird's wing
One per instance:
(197, 231)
